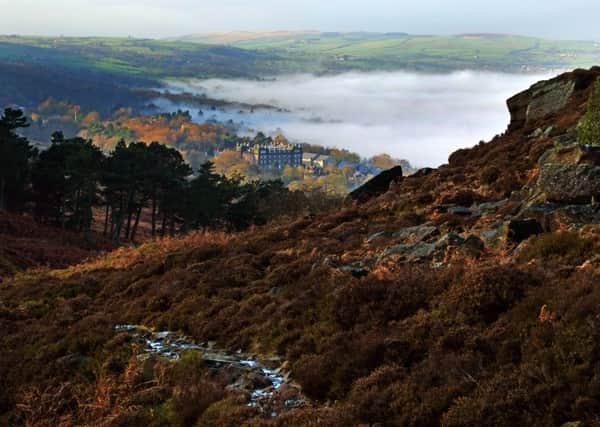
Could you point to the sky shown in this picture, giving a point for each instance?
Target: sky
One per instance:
(559, 19)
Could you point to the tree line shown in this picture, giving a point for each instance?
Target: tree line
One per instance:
(74, 185)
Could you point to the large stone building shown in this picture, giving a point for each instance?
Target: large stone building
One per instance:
(272, 156)
(316, 160)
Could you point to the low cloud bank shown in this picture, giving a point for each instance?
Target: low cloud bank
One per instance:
(419, 117)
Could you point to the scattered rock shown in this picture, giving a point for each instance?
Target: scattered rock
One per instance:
(422, 250)
(450, 239)
(412, 252)
(519, 230)
(417, 233)
(490, 207)
(489, 236)
(460, 210)
(453, 209)
(400, 249)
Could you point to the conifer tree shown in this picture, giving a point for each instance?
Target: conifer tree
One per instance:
(15, 156)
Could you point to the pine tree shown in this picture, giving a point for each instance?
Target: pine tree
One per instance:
(15, 158)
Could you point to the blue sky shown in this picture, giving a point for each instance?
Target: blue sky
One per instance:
(572, 19)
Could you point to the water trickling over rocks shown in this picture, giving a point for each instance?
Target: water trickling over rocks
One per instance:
(262, 378)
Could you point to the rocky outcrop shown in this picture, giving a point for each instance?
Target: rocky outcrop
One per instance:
(417, 233)
(548, 96)
(377, 186)
(540, 100)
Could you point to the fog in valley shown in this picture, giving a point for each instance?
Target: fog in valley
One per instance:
(419, 117)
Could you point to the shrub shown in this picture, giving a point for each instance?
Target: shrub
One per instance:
(569, 247)
(462, 197)
(588, 131)
(483, 295)
(490, 175)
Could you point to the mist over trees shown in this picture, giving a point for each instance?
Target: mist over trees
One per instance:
(71, 182)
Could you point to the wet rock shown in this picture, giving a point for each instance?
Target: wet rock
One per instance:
(417, 233)
(569, 184)
(254, 381)
(519, 230)
(262, 381)
(376, 186)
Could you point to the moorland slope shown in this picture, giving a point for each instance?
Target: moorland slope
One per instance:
(461, 296)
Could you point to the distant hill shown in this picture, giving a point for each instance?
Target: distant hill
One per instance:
(233, 37)
(259, 54)
(387, 51)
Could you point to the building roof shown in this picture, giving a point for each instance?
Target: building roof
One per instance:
(309, 156)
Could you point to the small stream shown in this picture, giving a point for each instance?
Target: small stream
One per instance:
(268, 374)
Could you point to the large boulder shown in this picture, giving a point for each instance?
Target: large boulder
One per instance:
(568, 175)
(377, 186)
(569, 183)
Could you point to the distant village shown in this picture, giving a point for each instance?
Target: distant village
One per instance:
(302, 167)
(273, 155)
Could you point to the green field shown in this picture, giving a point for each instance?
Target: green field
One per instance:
(100, 72)
(264, 54)
(368, 51)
